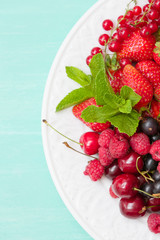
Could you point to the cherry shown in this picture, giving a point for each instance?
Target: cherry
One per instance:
(103, 39)
(132, 207)
(124, 61)
(89, 141)
(124, 33)
(88, 59)
(124, 184)
(153, 204)
(107, 24)
(128, 163)
(137, 10)
(113, 170)
(95, 51)
(114, 46)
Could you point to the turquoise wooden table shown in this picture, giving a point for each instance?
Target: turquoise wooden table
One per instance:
(31, 31)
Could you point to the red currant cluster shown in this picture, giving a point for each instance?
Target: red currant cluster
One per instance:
(146, 19)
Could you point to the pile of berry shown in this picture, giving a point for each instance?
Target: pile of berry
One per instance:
(124, 86)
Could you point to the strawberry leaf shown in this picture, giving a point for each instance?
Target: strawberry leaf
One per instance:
(76, 96)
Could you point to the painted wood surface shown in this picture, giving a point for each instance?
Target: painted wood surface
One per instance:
(31, 31)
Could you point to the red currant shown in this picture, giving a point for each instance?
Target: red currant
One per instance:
(157, 4)
(145, 8)
(137, 10)
(103, 39)
(124, 61)
(129, 14)
(124, 33)
(95, 51)
(153, 26)
(153, 14)
(121, 20)
(114, 46)
(145, 31)
(107, 24)
(116, 36)
(88, 59)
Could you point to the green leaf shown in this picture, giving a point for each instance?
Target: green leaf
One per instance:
(127, 107)
(97, 64)
(78, 76)
(75, 97)
(128, 94)
(113, 100)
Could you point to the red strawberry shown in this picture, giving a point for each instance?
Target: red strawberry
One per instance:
(116, 82)
(132, 78)
(155, 109)
(150, 70)
(156, 53)
(157, 93)
(78, 109)
(137, 48)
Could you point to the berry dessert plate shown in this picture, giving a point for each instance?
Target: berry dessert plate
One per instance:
(89, 202)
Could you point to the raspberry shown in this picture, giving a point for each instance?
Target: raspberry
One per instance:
(105, 157)
(154, 223)
(140, 143)
(113, 195)
(105, 137)
(155, 150)
(94, 169)
(118, 146)
(123, 134)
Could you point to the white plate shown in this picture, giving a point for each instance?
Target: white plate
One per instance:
(89, 202)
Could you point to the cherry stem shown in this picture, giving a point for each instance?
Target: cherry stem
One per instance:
(146, 207)
(45, 121)
(68, 146)
(156, 195)
(143, 173)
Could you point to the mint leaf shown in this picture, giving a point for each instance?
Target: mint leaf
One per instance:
(97, 64)
(76, 96)
(128, 94)
(127, 107)
(78, 76)
(113, 100)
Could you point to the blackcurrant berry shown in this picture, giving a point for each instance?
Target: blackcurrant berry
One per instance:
(149, 163)
(149, 126)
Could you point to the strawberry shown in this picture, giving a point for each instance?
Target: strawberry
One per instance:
(157, 93)
(116, 82)
(155, 109)
(156, 53)
(78, 109)
(132, 78)
(150, 70)
(137, 48)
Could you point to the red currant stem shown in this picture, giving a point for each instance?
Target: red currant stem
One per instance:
(109, 73)
(45, 121)
(68, 146)
(149, 8)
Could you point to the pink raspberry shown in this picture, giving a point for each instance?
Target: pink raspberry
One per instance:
(124, 134)
(154, 222)
(118, 146)
(105, 137)
(113, 195)
(140, 143)
(94, 169)
(155, 150)
(105, 157)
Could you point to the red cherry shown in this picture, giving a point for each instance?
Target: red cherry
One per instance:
(114, 46)
(124, 61)
(145, 31)
(127, 164)
(153, 202)
(90, 142)
(124, 33)
(137, 10)
(88, 59)
(153, 26)
(113, 170)
(107, 24)
(124, 184)
(153, 14)
(103, 39)
(95, 51)
(132, 207)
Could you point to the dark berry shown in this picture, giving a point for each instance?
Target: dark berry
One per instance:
(149, 126)
(149, 163)
(147, 188)
(156, 187)
(113, 170)
(155, 138)
(156, 175)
